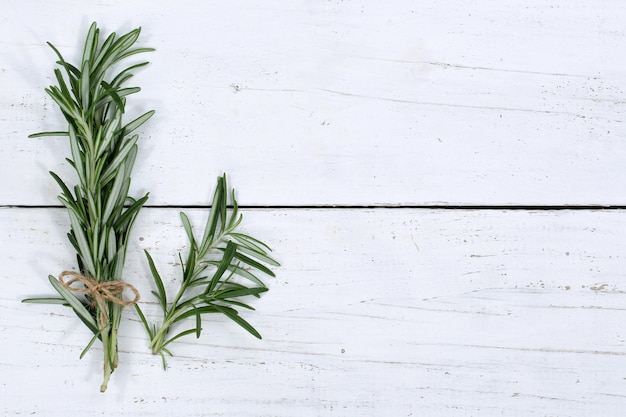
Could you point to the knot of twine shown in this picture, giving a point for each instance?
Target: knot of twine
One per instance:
(99, 291)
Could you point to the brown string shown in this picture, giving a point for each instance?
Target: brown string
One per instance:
(100, 291)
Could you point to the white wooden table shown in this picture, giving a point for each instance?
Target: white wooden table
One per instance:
(443, 183)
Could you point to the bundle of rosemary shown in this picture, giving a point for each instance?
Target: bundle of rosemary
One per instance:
(101, 212)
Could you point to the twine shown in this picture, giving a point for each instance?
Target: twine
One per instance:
(100, 291)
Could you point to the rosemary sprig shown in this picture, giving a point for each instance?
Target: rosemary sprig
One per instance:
(211, 284)
(103, 152)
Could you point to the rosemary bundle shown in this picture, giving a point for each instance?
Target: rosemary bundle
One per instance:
(100, 210)
(215, 275)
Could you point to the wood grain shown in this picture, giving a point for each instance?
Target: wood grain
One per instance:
(343, 103)
(374, 312)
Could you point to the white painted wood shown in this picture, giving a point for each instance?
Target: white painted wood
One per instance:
(333, 102)
(374, 312)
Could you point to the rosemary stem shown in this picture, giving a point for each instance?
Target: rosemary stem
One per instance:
(116, 313)
(157, 342)
(106, 344)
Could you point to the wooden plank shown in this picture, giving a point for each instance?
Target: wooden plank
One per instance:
(343, 102)
(374, 312)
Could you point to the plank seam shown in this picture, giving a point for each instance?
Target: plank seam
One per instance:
(366, 207)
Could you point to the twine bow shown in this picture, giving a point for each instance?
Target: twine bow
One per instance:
(100, 291)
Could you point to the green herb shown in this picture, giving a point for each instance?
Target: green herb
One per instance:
(211, 284)
(103, 152)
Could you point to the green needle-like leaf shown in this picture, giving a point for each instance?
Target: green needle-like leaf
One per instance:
(45, 134)
(75, 303)
(158, 281)
(142, 317)
(232, 314)
(46, 300)
(178, 336)
(198, 325)
(261, 256)
(188, 228)
(95, 337)
(135, 124)
(229, 254)
(210, 309)
(251, 262)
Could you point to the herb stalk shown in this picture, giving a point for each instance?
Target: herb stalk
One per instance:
(219, 271)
